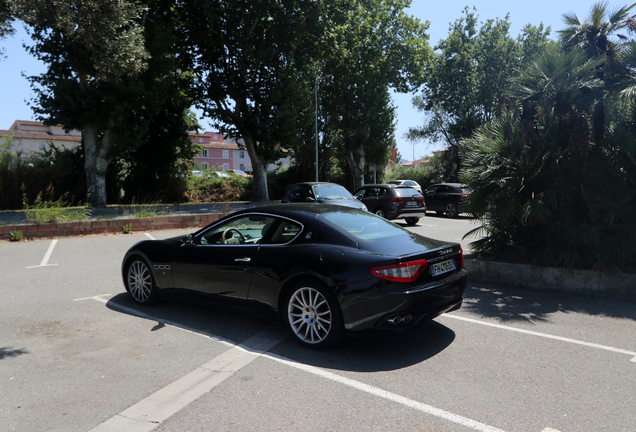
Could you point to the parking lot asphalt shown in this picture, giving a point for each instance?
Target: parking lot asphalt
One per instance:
(78, 354)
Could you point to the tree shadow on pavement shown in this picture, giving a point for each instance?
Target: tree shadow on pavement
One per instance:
(7, 352)
(518, 304)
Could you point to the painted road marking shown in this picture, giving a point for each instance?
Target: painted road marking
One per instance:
(97, 297)
(47, 256)
(148, 413)
(156, 408)
(150, 237)
(544, 335)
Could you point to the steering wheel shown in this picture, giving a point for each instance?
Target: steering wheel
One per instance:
(229, 240)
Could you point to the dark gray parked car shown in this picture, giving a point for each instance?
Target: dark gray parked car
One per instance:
(449, 199)
(393, 202)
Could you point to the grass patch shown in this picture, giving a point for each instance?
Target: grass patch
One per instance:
(46, 210)
(15, 236)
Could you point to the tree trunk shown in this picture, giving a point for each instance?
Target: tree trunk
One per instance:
(97, 157)
(259, 172)
(356, 163)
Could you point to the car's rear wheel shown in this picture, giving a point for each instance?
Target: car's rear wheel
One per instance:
(411, 221)
(380, 213)
(313, 315)
(450, 210)
(140, 283)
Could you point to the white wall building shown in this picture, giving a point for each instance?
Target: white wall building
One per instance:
(33, 137)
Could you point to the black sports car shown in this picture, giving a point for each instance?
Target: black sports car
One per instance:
(324, 270)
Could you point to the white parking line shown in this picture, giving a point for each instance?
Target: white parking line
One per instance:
(47, 256)
(544, 335)
(150, 237)
(97, 297)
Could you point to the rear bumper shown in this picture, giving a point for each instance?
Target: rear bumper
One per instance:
(411, 307)
(419, 213)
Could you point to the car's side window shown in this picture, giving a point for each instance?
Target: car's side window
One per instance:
(360, 193)
(284, 232)
(431, 190)
(248, 229)
(294, 193)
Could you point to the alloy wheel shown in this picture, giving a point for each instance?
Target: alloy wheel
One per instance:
(139, 281)
(309, 315)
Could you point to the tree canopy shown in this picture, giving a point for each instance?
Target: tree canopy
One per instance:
(466, 79)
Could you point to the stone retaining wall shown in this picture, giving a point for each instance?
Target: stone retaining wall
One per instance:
(68, 229)
(614, 285)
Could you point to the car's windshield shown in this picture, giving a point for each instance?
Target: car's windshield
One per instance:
(331, 192)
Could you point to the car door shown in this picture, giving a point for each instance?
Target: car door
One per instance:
(220, 260)
(370, 195)
(433, 201)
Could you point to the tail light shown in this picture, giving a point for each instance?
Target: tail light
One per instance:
(402, 272)
(459, 258)
(397, 200)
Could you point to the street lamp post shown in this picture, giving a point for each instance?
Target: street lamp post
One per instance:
(318, 79)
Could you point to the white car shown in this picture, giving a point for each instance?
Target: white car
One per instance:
(415, 185)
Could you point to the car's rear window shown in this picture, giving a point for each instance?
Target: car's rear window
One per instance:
(406, 192)
(362, 225)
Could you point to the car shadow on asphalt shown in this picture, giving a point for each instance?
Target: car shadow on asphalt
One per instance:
(511, 304)
(367, 353)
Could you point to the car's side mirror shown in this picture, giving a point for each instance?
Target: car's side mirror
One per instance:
(310, 199)
(188, 240)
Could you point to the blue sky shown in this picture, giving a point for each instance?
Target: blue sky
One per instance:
(15, 90)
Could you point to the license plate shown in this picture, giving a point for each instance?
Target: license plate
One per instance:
(411, 204)
(443, 267)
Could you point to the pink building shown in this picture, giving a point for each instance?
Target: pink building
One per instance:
(220, 154)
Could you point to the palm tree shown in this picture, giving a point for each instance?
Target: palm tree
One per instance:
(594, 37)
(566, 85)
(594, 34)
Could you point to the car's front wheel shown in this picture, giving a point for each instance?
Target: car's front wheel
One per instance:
(411, 221)
(380, 213)
(140, 283)
(313, 315)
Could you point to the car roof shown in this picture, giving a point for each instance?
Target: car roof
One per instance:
(316, 183)
(289, 209)
(460, 185)
(387, 185)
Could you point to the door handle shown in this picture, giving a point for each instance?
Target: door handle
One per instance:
(243, 259)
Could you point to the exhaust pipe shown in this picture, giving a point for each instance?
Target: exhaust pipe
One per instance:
(400, 320)
(395, 320)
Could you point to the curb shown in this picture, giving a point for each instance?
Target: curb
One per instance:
(81, 228)
(597, 284)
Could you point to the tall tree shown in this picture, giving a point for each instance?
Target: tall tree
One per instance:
(373, 46)
(89, 46)
(250, 62)
(6, 19)
(466, 79)
(155, 152)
